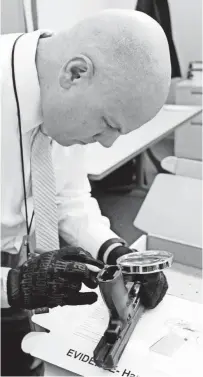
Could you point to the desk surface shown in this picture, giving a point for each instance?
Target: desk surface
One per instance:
(184, 281)
(101, 161)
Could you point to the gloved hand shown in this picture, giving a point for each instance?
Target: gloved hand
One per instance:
(154, 286)
(153, 289)
(53, 278)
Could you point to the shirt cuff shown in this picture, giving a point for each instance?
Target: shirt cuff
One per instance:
(116, 253)
(107, 248)
(4, 296)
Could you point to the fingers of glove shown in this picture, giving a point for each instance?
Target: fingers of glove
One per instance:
(91, 281)
(73, 253)
(95, 263)
(152, 295)
(93, 268)
(39, 252)
(164, 287)
(79, 255)
(71, 285)
(152, 292)
(77, 270)
(86, 298)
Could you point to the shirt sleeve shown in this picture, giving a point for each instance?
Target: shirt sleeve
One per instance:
(80, 220)
(4, 297)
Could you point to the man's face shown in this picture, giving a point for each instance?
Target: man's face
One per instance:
(96, 117)
(119, 83)
(99, 112)
(116, 99)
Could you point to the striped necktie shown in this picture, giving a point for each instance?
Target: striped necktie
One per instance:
(44, 194)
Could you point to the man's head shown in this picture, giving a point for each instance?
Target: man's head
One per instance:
(106, 76)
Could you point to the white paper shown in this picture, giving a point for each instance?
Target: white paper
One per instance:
(75, 332)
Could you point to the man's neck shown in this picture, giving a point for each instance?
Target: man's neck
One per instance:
(43, 129)
(44, 61)
(46, 71)
(50, 57)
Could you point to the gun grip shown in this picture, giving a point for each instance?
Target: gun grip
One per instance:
(114, 291)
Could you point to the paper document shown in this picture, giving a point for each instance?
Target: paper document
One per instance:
(167, 341)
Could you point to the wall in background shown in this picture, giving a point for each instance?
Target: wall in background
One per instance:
(186, 16)
(12, 19)
(61, 14)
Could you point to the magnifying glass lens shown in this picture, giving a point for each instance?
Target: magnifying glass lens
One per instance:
(149, 261)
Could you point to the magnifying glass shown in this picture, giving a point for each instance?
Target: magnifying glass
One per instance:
(145, 262)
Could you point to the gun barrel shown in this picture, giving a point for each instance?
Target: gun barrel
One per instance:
(125, 310)
(107, 355)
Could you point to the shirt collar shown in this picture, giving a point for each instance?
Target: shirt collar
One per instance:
(28, 89)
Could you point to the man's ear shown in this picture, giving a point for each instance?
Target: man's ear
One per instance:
(75, 71)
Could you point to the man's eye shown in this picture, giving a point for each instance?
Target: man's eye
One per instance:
(107, 124)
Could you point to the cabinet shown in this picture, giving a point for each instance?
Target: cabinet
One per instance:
(188, 138)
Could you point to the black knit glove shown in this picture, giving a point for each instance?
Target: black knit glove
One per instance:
(153, 287)
(53, 278)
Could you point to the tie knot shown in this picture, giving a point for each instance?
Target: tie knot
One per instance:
(41, 143)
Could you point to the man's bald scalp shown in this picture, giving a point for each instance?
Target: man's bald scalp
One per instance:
(114, 65)
(128, 42)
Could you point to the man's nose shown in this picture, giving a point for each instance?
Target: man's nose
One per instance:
(107, 140)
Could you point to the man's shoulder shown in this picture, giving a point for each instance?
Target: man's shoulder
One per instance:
(6, 44)
(7, 40)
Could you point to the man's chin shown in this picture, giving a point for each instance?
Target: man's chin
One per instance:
(68, 143)
(85, 142)
(63, 143)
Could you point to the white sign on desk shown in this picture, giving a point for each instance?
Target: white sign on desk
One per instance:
(167, 341)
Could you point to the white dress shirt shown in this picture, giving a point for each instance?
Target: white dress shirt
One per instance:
(80, 220)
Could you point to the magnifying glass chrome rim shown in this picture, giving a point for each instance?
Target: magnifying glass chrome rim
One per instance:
(162, 260)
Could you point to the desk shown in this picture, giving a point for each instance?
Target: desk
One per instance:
(184, 282)
(188, 139)
(101, 161)
(189, 92)
(172, 211)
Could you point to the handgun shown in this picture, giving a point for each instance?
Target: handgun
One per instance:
(122, 298)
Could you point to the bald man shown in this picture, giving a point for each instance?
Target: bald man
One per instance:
(105, 77)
